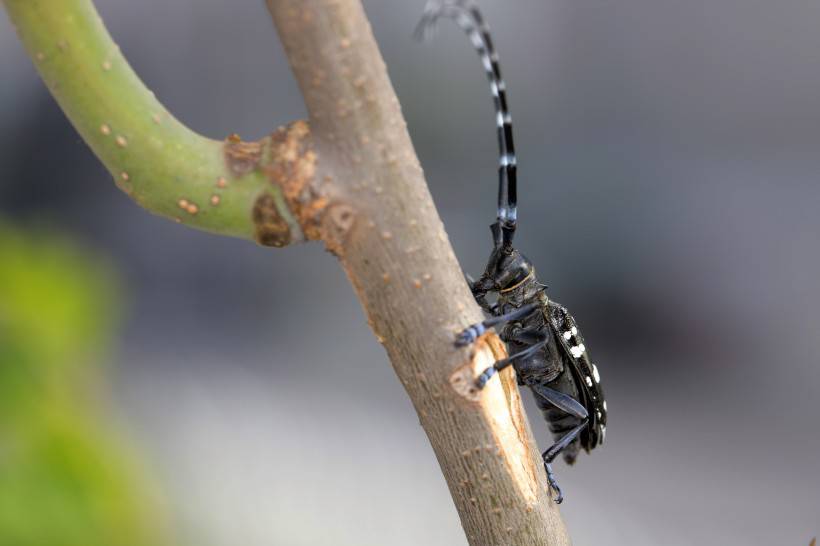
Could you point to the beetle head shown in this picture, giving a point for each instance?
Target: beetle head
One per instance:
(507, 267)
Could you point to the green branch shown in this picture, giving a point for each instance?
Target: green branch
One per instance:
(160, 163)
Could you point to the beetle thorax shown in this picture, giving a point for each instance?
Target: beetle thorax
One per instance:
(516, 280)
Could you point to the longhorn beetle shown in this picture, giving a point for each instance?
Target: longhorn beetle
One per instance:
(546, 349)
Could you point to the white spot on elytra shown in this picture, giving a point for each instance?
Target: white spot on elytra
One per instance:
(598, 413)
(567, 335)
(589, 381)
(605, 406)
(577, 351)
(595, 374)
(574, 331)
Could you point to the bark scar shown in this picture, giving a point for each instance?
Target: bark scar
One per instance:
(242, 157)
(293, 169)
(500, 402)
(270, 228)
(340, 220)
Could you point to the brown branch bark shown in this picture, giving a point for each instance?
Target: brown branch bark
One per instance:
(353, 180)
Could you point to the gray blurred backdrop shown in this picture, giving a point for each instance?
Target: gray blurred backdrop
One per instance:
(669, 171)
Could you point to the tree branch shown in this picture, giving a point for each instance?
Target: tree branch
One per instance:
(395, 251)
(351, 179)
(156, 160)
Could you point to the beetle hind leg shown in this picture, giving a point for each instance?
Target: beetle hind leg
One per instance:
(553, 483)
(572, 407)
(550, 454)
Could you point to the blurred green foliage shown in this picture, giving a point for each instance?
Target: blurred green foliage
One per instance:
(66, 477)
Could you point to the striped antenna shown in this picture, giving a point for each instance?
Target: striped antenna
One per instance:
(467, 16)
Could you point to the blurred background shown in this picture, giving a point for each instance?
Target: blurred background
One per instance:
(668, 164)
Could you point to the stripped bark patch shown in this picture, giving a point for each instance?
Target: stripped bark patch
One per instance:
(501, 404)
(241, 157)
(270, 228)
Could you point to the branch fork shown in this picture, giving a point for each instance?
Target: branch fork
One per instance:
(349, 177)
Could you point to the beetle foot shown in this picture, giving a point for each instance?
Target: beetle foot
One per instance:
(559, 497)
(485, 376)
(469, 335)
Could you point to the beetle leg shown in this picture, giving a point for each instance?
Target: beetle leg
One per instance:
(562, 401)
(470, 334)
(526, 336)
(572, 407)
(534, 337)
(553, 483)
(550, 454)
(501, 364)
